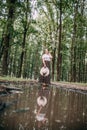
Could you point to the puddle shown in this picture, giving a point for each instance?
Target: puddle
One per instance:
(48, 108)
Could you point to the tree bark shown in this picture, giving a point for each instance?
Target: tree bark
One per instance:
(73, 46)
(22, 53)
(8, 35)
(59, 57)
(53, 63)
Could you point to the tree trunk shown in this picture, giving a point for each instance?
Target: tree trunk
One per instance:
(8, 35)
(22, 53)
(53, 63)
(1, 46)
(82, 51)
(53, 50)
(59, 57)
(73, 46)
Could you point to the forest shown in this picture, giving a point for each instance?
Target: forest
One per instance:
(27, 27)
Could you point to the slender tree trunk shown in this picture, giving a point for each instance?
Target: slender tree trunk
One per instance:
(86, 72)
(1, 46)
(22, 53)
(53, 51)
(14, 70)
(73, 46)
(82, 50)
(53, 63)
(8, 35)
(59, 57)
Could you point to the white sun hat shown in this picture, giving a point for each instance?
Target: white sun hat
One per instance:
(44, 71)
(41, 101)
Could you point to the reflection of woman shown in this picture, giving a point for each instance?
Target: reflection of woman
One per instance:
(42, 108)
(41, 118)
(41, 113)
(45, 70)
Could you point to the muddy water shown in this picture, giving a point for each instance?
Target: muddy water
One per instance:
(47, 108)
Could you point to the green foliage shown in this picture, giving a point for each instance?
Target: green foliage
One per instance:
(39, 21)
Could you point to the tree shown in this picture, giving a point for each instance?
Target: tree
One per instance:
(59, 56)
(11, 5)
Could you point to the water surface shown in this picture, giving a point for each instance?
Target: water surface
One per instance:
(48, 108)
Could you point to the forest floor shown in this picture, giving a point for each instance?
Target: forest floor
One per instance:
(71, 85)
(68, 85)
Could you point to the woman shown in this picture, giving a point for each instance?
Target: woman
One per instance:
(45, 70)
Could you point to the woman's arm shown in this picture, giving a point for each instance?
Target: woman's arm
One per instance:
(43, 62)
(50, 55)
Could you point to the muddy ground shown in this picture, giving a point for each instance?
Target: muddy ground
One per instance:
(68, 85)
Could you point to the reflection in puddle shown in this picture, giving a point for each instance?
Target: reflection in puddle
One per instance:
(47, 108)
(43, 99)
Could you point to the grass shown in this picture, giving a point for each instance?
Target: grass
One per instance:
(7, 78)
(74, 83)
